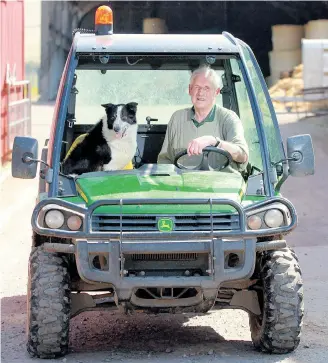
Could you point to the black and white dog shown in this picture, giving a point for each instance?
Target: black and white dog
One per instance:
(109, 145)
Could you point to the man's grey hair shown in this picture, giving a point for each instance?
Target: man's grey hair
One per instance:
(209, 73)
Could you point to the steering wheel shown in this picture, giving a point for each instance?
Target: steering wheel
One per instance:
(204, 165)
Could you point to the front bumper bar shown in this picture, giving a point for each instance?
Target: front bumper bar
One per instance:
(115, 274)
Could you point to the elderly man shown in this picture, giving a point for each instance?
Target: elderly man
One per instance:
(205, 124)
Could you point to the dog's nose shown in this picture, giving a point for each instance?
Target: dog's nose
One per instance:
(116, 128)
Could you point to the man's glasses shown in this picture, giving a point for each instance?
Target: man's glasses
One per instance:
(199, 89)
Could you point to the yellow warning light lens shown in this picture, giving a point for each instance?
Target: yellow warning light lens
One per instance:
(104, 15)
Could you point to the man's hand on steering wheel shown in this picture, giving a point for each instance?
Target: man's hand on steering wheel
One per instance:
(196, 146)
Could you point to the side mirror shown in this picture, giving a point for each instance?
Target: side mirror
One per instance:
(25, 149)
(301, 155)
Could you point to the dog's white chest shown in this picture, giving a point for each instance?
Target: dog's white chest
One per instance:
(122, 150)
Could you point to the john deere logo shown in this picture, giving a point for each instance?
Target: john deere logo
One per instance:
(165, 225)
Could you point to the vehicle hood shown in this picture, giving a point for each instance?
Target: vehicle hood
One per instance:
(171, 186)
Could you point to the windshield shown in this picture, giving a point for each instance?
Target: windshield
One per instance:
(158, 92)
(160, 86)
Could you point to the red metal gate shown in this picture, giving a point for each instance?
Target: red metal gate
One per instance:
(15, 106)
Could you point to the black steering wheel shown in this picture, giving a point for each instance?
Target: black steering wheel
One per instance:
(204, 165)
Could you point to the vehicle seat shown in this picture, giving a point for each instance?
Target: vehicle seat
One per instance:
(150, 139)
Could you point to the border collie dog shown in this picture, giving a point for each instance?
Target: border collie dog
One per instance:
(109, 145)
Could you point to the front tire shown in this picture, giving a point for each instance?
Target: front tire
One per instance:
(278, 328)
(48, 305)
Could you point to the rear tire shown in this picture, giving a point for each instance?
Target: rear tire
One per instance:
(278, 329)
(48, 305)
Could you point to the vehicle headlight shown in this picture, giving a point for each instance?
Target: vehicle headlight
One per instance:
(54, 219)
(254, 222)
(74, 223)
(273, 218)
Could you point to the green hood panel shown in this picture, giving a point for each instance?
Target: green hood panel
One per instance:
(175, 186)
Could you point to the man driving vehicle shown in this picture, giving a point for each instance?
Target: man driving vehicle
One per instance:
(205, 124)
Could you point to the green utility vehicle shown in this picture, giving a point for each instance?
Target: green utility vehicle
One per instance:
(162, 238)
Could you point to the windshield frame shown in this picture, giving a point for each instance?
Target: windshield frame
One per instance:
(73, 64)
(274, 119)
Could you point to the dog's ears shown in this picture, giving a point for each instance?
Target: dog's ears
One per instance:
(107, 105)
(132, 106)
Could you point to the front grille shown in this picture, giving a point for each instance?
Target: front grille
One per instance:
(135, 223)
(164, 256)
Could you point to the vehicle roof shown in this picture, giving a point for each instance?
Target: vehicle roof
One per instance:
(155, 43)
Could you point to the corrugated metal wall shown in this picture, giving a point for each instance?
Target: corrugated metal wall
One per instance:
(12, 56)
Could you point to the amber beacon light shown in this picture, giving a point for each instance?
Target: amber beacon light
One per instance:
(104, 20)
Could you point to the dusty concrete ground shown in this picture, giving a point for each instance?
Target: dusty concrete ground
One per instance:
(216, 337)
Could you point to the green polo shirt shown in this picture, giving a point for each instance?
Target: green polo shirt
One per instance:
(182, 128)
(209, 118)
